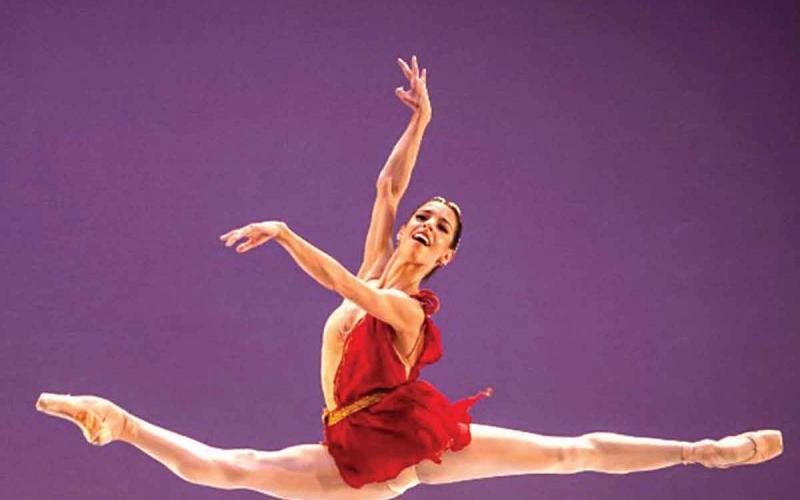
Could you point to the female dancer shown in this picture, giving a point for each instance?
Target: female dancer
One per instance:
(385, 430)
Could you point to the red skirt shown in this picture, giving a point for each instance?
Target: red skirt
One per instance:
(412, 423)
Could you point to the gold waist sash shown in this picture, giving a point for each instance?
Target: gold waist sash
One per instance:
(331, 417)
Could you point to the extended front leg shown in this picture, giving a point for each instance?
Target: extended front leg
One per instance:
(301, 471)
(189, 459)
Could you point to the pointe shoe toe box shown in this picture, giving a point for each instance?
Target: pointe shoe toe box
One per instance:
(45, 401)
(96, 417)
(768, 442)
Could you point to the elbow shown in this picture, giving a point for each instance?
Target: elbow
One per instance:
(331, 279)
(334, 279)
(334, 286)
(383, 185)
(386, 189)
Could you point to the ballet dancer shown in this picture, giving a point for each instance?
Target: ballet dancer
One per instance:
(385, 430)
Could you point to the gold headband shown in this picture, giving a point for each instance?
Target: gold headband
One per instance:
(451, 204)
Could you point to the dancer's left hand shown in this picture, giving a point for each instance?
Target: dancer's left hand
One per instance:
(416, 97)
(256, 233)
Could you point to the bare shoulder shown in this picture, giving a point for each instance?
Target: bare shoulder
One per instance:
(348, 313)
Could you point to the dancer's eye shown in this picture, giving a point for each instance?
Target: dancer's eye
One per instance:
(441, 226)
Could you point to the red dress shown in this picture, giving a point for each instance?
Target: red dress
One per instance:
(413, 422)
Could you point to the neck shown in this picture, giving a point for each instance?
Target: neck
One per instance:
(402, 275)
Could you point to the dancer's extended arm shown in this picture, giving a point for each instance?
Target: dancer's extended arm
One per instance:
(395, 175)
(391, 306)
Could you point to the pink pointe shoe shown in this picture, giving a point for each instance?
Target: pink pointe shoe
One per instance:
(747, 448)
(100, 420)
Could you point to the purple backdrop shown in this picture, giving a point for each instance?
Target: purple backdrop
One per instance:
(628, 175)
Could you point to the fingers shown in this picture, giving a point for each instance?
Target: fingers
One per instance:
(412, 73)
(425, 75)
(252, 242)
(403, 96)
(253, 238)
(247, 245)
(405, 68)
(230, 238)
(233, 236)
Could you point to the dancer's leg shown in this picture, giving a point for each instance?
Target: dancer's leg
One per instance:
(496, 451)
(187, 458)
(302, 471)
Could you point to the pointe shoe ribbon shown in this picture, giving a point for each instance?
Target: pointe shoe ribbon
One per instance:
(97, 418)
(767, 444)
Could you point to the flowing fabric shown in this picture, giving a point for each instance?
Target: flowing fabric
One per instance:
(413, 422)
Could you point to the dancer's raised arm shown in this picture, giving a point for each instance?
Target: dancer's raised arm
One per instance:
(396, 173)
(389, 305)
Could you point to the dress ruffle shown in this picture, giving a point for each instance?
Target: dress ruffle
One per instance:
(414, 422)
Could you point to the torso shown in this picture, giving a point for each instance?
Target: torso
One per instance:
(338, 325)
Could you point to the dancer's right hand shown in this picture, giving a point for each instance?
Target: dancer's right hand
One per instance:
(257, 233)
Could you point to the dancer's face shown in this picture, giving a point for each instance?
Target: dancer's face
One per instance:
(438, 223)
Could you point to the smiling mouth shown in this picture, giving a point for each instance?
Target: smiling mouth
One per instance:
(421, 239)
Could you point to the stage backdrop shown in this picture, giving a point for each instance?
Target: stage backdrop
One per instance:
(628, 174)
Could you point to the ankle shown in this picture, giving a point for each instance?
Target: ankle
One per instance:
(688, 453)
(130, 428)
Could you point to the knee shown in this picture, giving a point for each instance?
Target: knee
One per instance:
(261, 470)
(596, 448)
(226, 469)
(581, 453)
(239, 463)
(599, 442)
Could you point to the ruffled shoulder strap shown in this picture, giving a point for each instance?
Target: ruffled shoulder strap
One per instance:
(432, 350)
(428, 299)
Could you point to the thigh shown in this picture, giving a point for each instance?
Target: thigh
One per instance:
(497, 451)
(301, 471)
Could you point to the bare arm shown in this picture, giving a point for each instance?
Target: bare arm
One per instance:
(388, 305)
(391, 306)
(397, 170)
(392, 183)
(395, 175)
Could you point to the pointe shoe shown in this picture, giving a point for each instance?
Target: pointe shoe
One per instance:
(766, 445)
(100, 420)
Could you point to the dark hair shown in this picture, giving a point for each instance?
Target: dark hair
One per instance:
(456, 236)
